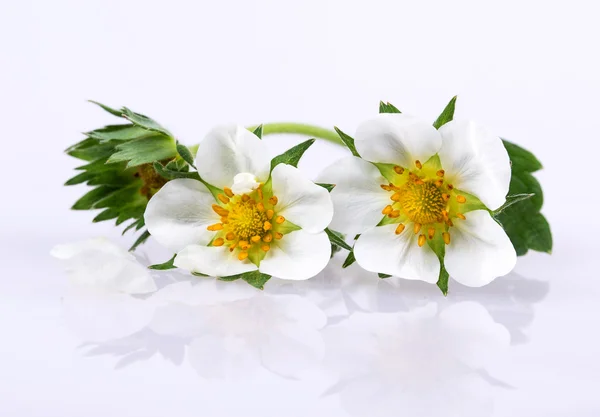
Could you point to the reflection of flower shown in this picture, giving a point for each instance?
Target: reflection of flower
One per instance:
(420, 195)
(420, 363)
(104, 266)
(250, 215)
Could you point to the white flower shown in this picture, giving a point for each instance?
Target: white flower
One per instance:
(102, 265)
(248, 218)
(419, 185)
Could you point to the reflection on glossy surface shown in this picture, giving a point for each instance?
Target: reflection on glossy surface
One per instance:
(386, 346)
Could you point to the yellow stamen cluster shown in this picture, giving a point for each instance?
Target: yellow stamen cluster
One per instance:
(423, 197)
(247, 222)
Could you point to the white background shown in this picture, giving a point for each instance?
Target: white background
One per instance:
(527, 69)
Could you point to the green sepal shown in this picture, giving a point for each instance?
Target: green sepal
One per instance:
(292, 156)
(89, 200)
(108, 109)
(144, 151)
(258, 131)
(107, 214)
(350, 259)
(164, 266)
(337, 239)
(526, 227)
(255, 278)
(137, 223)
(143, 237)
(348, 141)
(118, 132)
(447, 114)
(383, 276)
(144, 121)
(172, 175)
(185, 154)
(198, 274)
(438, 246)
(387, 108)
(328, 187)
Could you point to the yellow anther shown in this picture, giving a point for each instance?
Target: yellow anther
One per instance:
(400, 228)
(279, 219)
(270, 214)
(243, 244)
(395, 197)
(215, 227)
(450, 187)
(461, 199)
(218, 242)
(444, 214)
(224, 220)
(255, 238)
(278, 235)
(267, 226)
(446, 237)
(265, 248)
(394, 214)
(260, 193)
(419, 181)
(228, 192)
(273, 200)
(439, 183)
(245, 198)
(421, 240)
(230, 236)
(260, 207)
(399, 170)
(386, 187)
(449, 222)
(242, 255)
(461, 216)
(232, 247)
(446, 196)
(440, 173)
(220, 210)
(387, 209)
(223, 199)
(417, 228)
(430, 233)
(267, 238)
(418, 164)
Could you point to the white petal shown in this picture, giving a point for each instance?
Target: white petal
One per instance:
(301, 201)
(297, 256)
(397, 139)
(229, 150)
(213, 261)
(475, 161)
(103, 266)
(244, 183)
(479, 250)
(380, 249)
(178, 214)
(357, 197)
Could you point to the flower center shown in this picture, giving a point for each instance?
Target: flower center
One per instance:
(422, 197)
(248, 222)
(422, 203)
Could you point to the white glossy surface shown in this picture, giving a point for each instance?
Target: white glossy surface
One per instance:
(344, 344)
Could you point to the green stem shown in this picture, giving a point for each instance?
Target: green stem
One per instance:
(300, 129)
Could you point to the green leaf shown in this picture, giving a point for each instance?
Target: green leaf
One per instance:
(350, 259)
(292, 156)
(510, 200)
(145, 122)
(171, 175)
(348, 141)
(447, 114)
(526, 227)
(143, 237)
(185, 154)
(144, 151)
(118, 132)
(164, 266)
(336, 239)
(383, 276)
(108, 109)
(254, 278)
(258, 131)
(387, 108)
(328, 187)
